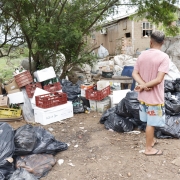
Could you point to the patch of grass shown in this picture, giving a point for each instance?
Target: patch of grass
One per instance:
(7, 67)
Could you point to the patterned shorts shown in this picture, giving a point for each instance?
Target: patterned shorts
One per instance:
(153, 115)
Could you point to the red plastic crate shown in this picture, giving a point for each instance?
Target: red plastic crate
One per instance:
(51, 100)
(30, 88)
(53, 87)
(23, 78)
(92, 94)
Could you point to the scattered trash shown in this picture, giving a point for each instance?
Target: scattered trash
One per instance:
(60, 161)
(141, 151)
(50, 129)
(81, 127)
(133, 132)
(76, 146)
(71, 164)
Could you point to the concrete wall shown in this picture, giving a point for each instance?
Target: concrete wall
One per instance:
(115, 40)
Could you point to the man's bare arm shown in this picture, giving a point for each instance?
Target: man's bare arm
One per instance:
(137, 77)
(156, 81)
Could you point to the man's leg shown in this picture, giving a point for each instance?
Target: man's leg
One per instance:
(150, 141)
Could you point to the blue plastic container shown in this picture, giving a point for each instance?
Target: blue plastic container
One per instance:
(127, 71)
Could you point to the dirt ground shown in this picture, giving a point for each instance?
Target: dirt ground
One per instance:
(95, 153)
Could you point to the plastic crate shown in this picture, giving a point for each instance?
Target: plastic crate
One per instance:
(30, 88)
(9, 112)
(51, 100)
(23, 78)
(92, 94)
(53, 87)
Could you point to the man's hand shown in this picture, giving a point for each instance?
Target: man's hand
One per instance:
(140, 88)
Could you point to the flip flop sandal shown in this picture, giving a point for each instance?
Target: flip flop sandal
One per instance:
(155, 143)
(155, 154)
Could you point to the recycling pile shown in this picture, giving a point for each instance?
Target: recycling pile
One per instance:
(27, 152)
(124, 117)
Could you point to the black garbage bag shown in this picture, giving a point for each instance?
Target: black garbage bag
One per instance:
(106, 114)
(72, 90)
(121, 109)
(177, 85)
(177, 95)
(118, 123)
(36, 140)
(172, 106)
(46, 142)
(132, 104)
(169, 86)
(37, 164)
(78, 105)
(160, 135)
(6, 150)
(6, 169)
(172, 126)
(25, 140)
(22, 174)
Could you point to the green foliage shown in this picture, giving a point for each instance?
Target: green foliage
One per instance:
(161, 13)
(52, 27)
(7, 67)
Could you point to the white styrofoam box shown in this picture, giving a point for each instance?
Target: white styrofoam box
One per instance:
(54, 114)
(111, 99)
(102, 84)
(93, 105)
(16, 98)
(103, 105)
(37, 92)
(45, 74)
(119, 95)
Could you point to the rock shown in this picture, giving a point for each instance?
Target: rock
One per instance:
(176, 161)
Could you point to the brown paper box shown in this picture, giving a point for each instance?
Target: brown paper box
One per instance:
(11, 86)
(14, 91)
(4, 102)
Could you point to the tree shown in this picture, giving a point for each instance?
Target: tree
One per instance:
(54, 29)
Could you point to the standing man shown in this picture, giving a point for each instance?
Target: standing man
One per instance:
(149, 72)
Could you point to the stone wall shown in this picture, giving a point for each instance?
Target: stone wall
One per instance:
(171, 46)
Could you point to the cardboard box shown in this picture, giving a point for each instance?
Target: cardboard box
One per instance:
(14, 91)
(12, 85)
(45, 74)
(54, 114)
(16, 98)
(4, 102)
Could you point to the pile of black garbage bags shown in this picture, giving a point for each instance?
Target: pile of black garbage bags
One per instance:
(27, 152)
(124, 117)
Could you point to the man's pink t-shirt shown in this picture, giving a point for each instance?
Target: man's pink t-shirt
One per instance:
(148, 64)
